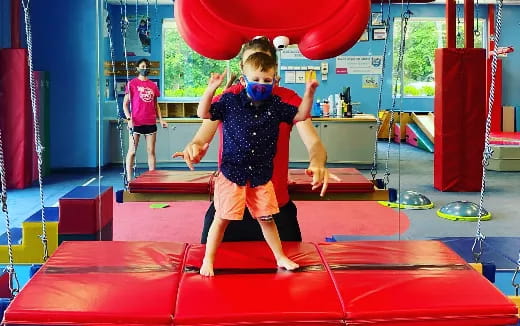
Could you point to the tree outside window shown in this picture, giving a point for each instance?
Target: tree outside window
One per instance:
(186, 72)
(423, 36)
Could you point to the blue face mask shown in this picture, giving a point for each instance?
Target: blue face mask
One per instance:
(258, 91)
(143, 71)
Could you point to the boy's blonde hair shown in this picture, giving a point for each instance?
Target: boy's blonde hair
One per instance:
(260, 60)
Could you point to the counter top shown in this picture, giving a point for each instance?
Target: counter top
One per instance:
(355, 118)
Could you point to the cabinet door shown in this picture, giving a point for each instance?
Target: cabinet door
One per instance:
(297, 150)
(182, 133)
(349, 142)
(162, 148)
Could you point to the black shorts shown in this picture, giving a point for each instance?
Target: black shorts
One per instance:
(145, 129)
(249, 229)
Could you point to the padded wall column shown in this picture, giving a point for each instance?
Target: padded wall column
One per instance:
(460, 115)
(16, 117)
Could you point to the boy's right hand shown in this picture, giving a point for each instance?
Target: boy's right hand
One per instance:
(311, 86)
(192, 154)
(216, 79)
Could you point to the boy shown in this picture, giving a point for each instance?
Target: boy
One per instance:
(250, 130)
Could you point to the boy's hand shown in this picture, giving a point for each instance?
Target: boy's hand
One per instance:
(311, 86)
(320, 178)
(192, 154)
(216, 79)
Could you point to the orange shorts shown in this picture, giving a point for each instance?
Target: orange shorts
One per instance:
(231, 200)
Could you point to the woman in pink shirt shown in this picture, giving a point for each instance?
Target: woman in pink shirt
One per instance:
(142, 94)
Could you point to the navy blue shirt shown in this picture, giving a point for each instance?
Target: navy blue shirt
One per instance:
(250, 134)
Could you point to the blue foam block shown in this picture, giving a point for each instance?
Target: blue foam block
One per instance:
(500, 251)
(341, 238)
(517, 119)
(51, 215)
(85, 192)
(16, 237)
(119, 196)
(34, 269)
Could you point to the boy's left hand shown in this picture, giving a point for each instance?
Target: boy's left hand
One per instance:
(320, 178)
(311, 86)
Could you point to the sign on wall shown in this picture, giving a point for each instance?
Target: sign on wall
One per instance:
(359, 65)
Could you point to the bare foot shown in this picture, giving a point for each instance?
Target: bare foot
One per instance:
(206, 269)
(286, 263)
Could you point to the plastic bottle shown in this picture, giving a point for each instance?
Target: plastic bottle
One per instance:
(326, 108)
(316, 109)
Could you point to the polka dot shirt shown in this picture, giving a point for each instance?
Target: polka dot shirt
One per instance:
(250, 134)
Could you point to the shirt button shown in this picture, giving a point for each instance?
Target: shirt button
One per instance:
(254, 133)
(252, 151)
(256, 116)
(250, 168)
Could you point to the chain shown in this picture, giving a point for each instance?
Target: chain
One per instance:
(488, 151)
(405, 16)
(373, 170)
(120, 120)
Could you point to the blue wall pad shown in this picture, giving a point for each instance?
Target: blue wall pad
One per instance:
(500, 251)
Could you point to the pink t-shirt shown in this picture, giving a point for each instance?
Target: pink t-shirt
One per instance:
(143, 97)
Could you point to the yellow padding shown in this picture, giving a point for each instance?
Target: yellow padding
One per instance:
(31, 249)
(516, 300)
(477, 267)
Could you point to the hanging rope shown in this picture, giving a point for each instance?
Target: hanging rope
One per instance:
(477, 247)
(373, 170)
(14, 285)
(36, 124)
(120, 120)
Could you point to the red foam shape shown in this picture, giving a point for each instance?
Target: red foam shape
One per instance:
(257, 294)
(394, 283)
(321, 30)
(351, 180)
(82, 215)
(382, 282)
(16, 118)
(124, 283)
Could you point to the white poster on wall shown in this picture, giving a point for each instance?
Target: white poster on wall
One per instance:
(359, 65)
(290, 77)
(292, 52)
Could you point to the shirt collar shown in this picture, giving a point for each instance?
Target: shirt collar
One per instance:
(246, 101)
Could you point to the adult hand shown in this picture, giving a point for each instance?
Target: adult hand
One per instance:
(130, 124)
(320, 178)
(164, 124)
(192, 154)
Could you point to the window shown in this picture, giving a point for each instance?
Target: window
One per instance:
(185, 72)
(423, 36)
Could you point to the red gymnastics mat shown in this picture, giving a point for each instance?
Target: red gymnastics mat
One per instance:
(183, 221)
(391, 283)
(197, 182)
(505, 138)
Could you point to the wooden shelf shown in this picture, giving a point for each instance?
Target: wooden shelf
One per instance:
(178, 109)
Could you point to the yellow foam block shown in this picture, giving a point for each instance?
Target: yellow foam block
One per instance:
(477, 267)
(31, 249)
(516, 300)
